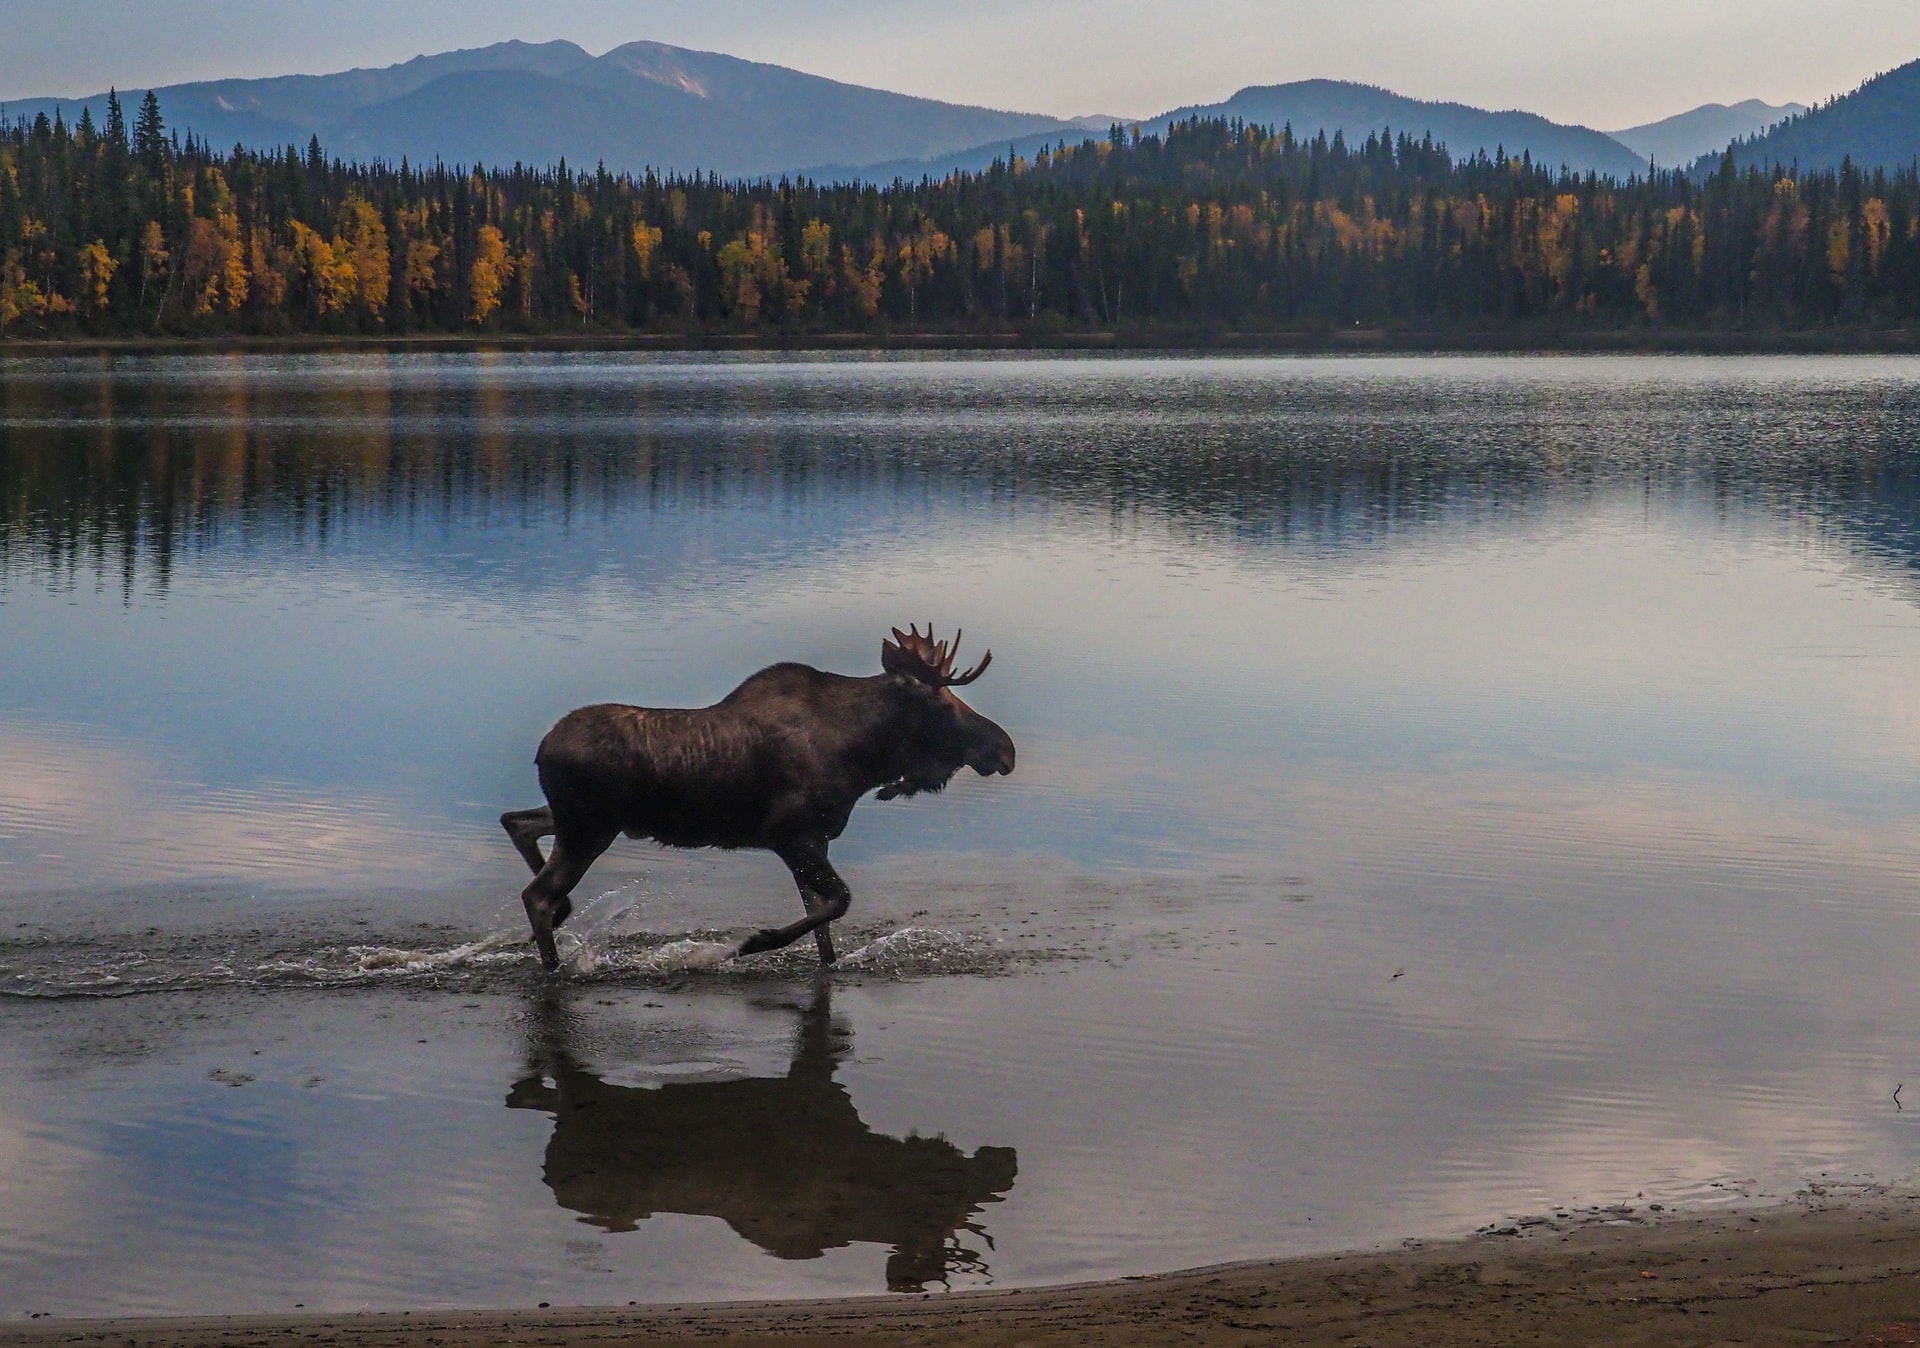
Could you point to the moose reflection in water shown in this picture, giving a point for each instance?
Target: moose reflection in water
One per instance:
(786, 1161)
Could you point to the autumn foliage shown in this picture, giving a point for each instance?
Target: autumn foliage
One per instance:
(1215, 226)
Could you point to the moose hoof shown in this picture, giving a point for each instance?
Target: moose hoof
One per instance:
(549, 955)
(758, 942)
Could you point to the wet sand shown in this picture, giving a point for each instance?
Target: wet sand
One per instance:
(1810, 1272)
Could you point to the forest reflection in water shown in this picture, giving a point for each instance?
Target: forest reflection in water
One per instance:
(786, 1161)
(117, 467)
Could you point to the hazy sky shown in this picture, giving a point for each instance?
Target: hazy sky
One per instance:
(1606, 65)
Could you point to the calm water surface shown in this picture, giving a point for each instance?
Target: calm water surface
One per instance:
(1450, 790)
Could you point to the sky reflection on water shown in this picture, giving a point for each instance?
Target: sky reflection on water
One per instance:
(1582, 691)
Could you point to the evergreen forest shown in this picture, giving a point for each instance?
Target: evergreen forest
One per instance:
(124, 229)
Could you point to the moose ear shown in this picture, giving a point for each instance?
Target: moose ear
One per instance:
(894, 660)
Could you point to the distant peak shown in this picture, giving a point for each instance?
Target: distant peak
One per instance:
(675, 67)
(1754, 110)
(1311, 86)
(511, 54)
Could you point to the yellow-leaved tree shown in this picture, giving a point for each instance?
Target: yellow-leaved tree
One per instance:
(816, 249)
(422, 253)
(362, 240)
(213, 270)
(646, 239)
(1876, 231)
(492, 269)
(97, 267)
(754, 277)
(329, 277)
(749, 272)
(19, 296)
(154, 258)
(861, 282)
(921, 250)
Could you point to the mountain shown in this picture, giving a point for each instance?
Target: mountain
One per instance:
(288, 109)
(1878, 125)
(1313, 106)
(648, 105)
(638, 106)
(1708, 129)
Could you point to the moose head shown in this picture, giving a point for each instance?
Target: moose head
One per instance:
(948, 734)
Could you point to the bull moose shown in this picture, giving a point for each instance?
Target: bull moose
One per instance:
(779, 763)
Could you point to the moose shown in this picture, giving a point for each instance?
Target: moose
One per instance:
(779, 764)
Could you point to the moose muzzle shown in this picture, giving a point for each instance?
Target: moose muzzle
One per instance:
(992, 751)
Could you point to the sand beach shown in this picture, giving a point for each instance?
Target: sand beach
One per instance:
(1810, 1271)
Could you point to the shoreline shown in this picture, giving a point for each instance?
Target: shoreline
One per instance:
(1817, 1269)
(1329, 341)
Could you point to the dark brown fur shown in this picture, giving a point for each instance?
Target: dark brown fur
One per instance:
(779, 763)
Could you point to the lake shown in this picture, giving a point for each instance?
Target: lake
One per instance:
(1451, 792)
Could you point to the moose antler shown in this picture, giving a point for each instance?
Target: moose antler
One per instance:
(928, 661)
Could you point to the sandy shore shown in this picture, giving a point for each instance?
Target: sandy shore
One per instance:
(1806, 1273)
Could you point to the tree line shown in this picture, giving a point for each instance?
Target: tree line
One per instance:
(127, 230)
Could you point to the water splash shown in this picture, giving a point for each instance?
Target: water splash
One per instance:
(372, 961)
(592, 959)
(95, 969)
(921, 950)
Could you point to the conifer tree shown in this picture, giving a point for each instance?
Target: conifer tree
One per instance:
(1210, 224)
(150, 135)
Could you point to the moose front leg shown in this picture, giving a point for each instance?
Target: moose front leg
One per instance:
(824, 893)
(822, 937)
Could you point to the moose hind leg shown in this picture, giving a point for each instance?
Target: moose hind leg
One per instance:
(822, 890)
(546, 899)
(526, 828)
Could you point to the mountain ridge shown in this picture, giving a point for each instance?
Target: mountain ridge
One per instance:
(641, 105)
(1708, 129)
(648, 105)
(1876, 126)
(1465, 130)
(1354, 109)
